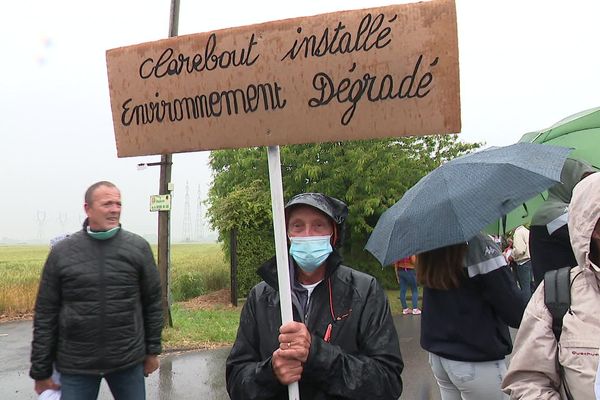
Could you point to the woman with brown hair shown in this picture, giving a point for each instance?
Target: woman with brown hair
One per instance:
(469, 300)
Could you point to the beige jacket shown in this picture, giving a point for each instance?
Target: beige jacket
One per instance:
(520, 252)
(532, 373)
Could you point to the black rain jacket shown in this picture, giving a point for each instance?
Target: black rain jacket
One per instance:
(362, 360)
(99, 306)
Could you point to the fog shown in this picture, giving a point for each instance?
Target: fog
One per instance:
(523, 67)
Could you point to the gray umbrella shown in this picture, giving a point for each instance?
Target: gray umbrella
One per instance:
(458, 199)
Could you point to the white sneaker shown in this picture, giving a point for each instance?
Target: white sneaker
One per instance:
(407, 311)
(416, 311)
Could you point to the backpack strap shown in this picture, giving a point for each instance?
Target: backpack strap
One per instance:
(557, 296)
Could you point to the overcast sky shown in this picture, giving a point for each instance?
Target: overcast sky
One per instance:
(524, 65)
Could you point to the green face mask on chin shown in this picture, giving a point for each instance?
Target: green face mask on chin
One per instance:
(104, 234)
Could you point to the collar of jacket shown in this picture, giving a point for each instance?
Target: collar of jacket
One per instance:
(268, 271)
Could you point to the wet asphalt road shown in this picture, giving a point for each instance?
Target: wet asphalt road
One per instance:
(199, 374)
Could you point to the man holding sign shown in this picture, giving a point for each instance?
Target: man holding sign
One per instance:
(342, 342)
(349, 75)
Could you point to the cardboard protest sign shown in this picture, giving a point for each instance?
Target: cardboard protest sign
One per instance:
(360, 74)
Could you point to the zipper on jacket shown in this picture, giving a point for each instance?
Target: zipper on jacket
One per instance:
(311, 302)
(102, 339)
(296, 306)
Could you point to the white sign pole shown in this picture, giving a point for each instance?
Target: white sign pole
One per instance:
(281, 252)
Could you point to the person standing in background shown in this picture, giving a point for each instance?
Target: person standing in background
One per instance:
(98, 312)
(520, 255)
(549, 240)
(407, 277)
(507, 252)
(469, 300)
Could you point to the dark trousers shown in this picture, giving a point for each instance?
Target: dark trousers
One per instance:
(549, 252)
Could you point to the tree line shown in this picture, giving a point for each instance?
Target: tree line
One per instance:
(369, 175)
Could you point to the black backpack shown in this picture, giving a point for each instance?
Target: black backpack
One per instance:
(557, 297)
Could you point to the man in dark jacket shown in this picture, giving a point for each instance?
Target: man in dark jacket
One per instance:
(549, 240)
(342, 343)
(98, 311)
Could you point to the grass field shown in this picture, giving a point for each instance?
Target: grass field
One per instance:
(20, 268)
(196, 269)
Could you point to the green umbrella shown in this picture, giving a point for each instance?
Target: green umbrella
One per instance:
(581, 132)
(519, 216)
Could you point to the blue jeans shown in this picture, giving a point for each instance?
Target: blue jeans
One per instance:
(524, 277)
(408, 278)
(125, 384)
(462, 380)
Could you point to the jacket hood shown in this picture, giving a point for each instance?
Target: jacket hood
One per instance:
(584, 213)
(334, 208)
(559, 195)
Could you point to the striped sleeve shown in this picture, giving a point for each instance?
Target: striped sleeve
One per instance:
(483, 256)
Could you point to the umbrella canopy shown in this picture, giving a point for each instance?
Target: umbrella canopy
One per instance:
(549, 205)
(519, 216)
(458, 199)
(581, 132)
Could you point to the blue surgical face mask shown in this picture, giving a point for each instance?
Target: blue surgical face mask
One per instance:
(310, 252)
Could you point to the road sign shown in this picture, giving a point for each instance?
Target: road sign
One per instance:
(160, 202)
